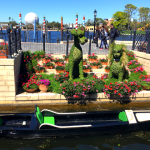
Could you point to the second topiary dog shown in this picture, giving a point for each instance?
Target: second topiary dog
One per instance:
(75, 65)
(117, 60)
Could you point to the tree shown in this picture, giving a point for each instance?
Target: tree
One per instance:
(13, 23)
(89, 22)
(129, 9)
(144, 14)
(9, 19)
(99, 21)
(120, 20)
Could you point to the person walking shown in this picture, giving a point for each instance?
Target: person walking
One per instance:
(104, 35)
(97, 35)
(112, 35)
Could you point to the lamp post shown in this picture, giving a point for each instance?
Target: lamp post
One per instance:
(95, 13)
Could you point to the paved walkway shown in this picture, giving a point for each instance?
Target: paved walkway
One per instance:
(55, 48)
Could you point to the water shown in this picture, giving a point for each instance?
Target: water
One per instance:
(52, 36)
(124, 141)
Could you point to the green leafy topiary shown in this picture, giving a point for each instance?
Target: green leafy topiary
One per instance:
(75, 65)
(117, 60)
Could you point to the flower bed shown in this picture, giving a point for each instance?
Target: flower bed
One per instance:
(66, 57)
(84, 87)
(107, 69)
(48, 65)
(92, 57)
(87, 68)
(84, 61)
(81, 88)
(96, 65)
(122, 89)
(3, 50)
(104, 61)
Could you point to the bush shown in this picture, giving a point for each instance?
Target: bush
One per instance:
(122, 89)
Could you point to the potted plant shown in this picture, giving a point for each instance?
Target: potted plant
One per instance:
(146, 84)
(36, 77)
(59, 61)
(92, 57)
(60, 69)
(39, 69)
(48, 65)
(121, 89)
(48, 57)
(66, 57)
(107, 69)
(104, 61)
(96, 65)
(30, 86)
(84, 61)
(3, 50)
(43, 84)
(87, 68)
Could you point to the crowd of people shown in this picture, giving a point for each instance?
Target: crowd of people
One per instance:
(103, 34)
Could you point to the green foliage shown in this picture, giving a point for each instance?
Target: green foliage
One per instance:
(80, 87)
(61, 77)
(122, 89)
(120, 20)
(144, 14)
(129, 9)
(31, 84)
(37, 55)
(117, 69)
(75, 58)
(60, 67)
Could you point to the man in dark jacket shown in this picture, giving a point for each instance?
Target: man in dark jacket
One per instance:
(112, 35)
(97, 36)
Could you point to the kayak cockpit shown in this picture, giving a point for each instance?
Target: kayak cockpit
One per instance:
(15, 121)
(48, 119)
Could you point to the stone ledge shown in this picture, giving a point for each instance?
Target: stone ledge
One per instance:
(59, 99)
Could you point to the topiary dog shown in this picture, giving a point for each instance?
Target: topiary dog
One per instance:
(117, 60)
(75, 65)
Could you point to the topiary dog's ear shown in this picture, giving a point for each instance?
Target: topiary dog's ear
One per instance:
(74, 32)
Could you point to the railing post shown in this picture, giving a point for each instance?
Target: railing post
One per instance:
(131, 35)
(148, 45)
(49, 37)
(44, 42)
(58, 39)
(9, 43)
(61, 35)
(19, 37)
(134, 36)
(25, 36)
(88, 34)
(90, 45)
(67, 44)
(37, 36)
(15, 40)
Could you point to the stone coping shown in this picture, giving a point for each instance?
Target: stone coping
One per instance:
(97, 97)
(9, 62)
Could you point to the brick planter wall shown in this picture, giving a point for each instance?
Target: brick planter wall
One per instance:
(9, 75)
(144, 59)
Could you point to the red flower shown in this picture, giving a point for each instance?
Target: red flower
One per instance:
(110, 82)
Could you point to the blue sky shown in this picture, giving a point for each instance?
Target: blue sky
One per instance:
(54, 9)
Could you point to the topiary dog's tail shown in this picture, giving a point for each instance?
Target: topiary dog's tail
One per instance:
(110, 56)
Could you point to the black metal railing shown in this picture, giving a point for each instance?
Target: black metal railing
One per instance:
(141, 42)
(11, 42)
